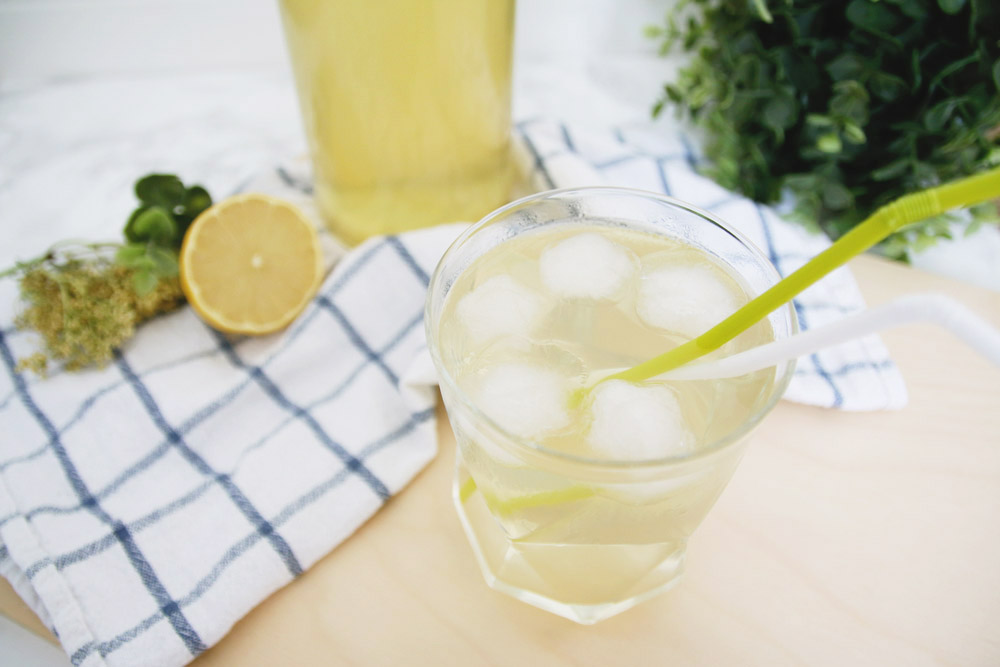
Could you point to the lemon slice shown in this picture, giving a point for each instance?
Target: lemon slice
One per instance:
(250, 264)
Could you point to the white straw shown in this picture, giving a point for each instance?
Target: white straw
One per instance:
(937, 308)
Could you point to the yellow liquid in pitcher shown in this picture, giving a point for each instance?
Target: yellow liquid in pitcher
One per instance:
(406, 107)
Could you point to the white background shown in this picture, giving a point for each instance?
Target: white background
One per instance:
(73, 38)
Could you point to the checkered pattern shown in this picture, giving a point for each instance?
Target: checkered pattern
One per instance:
(146, 507)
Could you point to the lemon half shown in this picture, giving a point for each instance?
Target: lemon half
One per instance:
(250, 264)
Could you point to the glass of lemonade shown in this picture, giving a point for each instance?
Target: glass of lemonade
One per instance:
(584, 508)
(406, 108)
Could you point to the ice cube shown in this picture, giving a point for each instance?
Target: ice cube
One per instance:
(686, 297)
(587, 266)
(633, 422)
(526, 400)
(500, 306)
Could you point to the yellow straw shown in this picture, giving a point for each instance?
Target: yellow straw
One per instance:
(886, 220)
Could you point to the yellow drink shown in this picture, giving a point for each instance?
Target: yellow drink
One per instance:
(406, 107)
(596, 543)
(585, 508)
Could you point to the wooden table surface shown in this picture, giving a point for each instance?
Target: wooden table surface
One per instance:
(843, 539)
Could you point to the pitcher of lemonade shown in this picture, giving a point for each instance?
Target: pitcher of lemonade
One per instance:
(406, 107)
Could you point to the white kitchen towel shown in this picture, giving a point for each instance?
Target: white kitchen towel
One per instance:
(147, 506)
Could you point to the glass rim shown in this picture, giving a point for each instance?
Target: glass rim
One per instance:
(534, 449)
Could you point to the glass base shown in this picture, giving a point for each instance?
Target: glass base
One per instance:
(355, 214)
(585, 583)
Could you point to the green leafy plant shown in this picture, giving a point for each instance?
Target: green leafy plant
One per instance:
(85, 299)
(844, 105)
(156, 228)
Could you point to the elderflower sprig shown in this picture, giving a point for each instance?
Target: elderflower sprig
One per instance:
(85, 299)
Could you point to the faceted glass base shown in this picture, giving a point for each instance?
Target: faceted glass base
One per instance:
(585, 583)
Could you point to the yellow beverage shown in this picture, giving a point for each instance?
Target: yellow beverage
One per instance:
(586, 509)
(406, 107)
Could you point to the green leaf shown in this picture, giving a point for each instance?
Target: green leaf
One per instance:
(892, 170)
(819, 120)
(836, 197)
(144, 281)
(780, 113)
(850, 100)
(914, 9)
(164, 190)
(762, 11)
(854, 134)
(872, 16)
(848, 65)
(887, 87)
(141, 263)
(985, 212)
(915, 69)
(974, 225)
(829, 143)
(953, 68)
(938, 115)
(692, 34)
(153, 224)
(996, 74)
(164, 261)
(196, 200)
(803, 182)
(132, 255)
(130, 223)
(951, 6)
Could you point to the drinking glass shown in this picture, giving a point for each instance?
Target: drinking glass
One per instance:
(580, 537)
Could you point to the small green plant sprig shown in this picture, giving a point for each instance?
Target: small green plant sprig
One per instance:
(156, 228)
(845, 105)
(85, 299)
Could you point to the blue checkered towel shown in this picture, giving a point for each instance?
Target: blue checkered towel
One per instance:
(146, 507)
